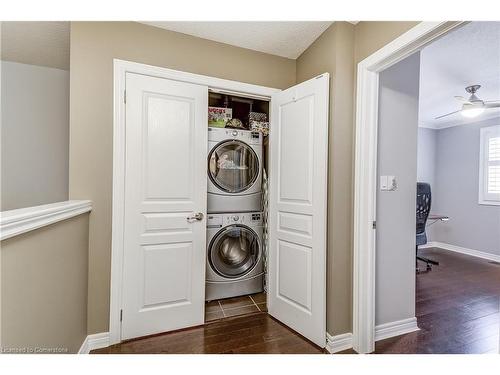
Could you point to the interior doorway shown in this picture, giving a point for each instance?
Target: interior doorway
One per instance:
(366, 179)
(395, 311)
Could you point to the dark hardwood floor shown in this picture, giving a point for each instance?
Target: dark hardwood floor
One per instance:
(256, 333)
(457, 308)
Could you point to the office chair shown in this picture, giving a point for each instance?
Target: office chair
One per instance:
(424, 198)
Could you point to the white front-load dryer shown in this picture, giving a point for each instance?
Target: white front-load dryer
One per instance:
(234, 255)
(234, 170)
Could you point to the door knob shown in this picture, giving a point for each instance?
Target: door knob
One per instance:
(195, 217)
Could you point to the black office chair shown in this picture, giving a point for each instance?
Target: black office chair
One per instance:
(424, 198)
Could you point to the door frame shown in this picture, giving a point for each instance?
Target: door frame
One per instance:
(365, 174)
(120, 69)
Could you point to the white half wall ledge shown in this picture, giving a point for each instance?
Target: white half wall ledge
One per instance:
(22, 220)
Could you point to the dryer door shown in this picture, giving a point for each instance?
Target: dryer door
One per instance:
(234, 251)
(233, 166)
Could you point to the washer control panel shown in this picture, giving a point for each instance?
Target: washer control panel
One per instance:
(234, 219)
(246, 218)
(247, 136)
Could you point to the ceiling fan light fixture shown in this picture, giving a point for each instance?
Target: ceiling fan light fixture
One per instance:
(472, 111)
(473, 106)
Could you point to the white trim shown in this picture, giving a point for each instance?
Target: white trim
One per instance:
(428, 126)
(462, 250)
(365, 171)
(124, 66)
(0, 185)
(338, 343)
(95, 341)
(485, 134)
(22, 220)
(84, 349)
(397, 328)
(121, 68)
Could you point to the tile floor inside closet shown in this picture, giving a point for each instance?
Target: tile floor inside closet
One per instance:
(229, 307)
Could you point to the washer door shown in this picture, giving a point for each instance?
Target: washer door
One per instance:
(234, 251)
(233, 166)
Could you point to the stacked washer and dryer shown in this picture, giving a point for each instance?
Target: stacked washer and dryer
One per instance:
(234, 222)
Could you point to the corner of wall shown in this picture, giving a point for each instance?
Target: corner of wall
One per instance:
(333, 52)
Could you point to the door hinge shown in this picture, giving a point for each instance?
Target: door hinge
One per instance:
(121, 315)
(374, 224)
(125, 96)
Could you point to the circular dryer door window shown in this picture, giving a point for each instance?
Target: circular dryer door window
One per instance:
(234, 251)
(233, 166)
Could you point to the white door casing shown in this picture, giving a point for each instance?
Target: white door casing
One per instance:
(365, 176)
(298, 202)
(165, 183)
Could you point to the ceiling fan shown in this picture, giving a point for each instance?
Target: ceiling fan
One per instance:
(473, 106)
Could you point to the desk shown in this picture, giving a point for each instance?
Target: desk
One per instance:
(438, 217)
(434, 218)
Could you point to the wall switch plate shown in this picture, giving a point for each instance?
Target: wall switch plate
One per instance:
(388, 183)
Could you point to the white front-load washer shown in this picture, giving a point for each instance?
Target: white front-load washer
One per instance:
(234, 255)
(234, 170)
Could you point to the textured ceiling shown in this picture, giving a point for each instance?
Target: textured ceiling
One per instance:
(286, 39)
(467, 56)
(36, 43)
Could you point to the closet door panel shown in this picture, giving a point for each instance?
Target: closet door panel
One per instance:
(165, 184)
(297, 225)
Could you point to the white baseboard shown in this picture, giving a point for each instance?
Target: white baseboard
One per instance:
(95, 341)
(399, 327)
(337, 343)
(462, 250)
(334, 344)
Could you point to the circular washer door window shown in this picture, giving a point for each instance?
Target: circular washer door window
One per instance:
(233, 166)
(234, 251)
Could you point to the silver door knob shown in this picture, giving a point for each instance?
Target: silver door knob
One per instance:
(195, 217)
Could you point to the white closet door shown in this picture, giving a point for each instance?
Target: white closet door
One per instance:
(298, 191)
(165, 186)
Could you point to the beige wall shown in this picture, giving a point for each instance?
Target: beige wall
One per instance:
(333, 52)
(373, 35)
(44, 287)
(337, 51)
(93, 47)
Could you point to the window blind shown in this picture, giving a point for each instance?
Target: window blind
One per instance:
(494, 165)
(489, 166)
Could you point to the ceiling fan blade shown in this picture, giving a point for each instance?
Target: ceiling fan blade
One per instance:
(492, 104)
(462, 99)
(448, 114)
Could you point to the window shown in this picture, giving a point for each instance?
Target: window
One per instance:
(489, 166)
